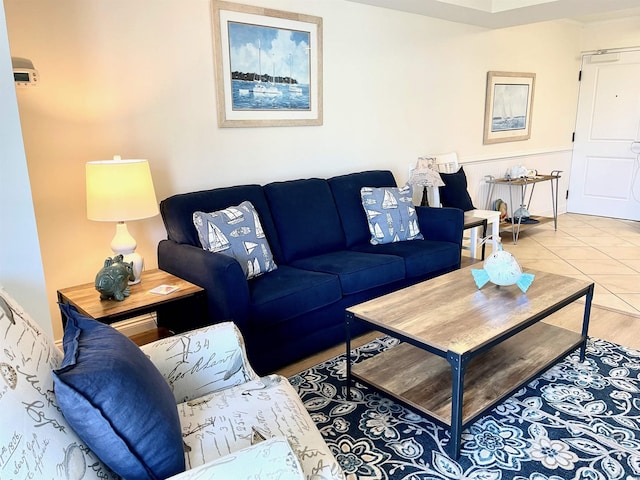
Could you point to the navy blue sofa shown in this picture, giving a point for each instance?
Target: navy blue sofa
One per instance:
(320, 239)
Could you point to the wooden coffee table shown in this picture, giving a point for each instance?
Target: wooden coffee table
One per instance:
(465, 349)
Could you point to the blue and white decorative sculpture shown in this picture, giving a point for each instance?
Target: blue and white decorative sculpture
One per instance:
(501, 268)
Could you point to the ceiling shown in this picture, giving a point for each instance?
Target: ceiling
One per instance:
(508, 13)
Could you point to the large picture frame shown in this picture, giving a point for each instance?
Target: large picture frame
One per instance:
(268, 66)
(508, 106)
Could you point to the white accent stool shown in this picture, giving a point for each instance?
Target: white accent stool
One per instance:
(493, 227)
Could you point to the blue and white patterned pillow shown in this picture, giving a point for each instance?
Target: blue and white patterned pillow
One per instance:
(391, 214)
(237, 232)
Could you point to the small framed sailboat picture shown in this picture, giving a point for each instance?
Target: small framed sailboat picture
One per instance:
(507, 116)
(268, 66)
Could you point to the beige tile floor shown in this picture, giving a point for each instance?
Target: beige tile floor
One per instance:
(604, 250)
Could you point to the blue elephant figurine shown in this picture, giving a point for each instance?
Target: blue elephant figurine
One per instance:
(112, 281)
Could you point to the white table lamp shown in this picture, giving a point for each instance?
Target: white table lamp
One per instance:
(119, 191)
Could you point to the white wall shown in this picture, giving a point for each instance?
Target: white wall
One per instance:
(622, 33)
(21, 271)
(136, 78)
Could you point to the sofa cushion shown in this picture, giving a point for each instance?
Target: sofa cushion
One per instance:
(357, 271)
(272, 458)
(346, 193)
(454, 193)
(222, 423)
(423, 258)
(306, 218)
(177, 212)
(117, 401)
(36, 440)
(290, 292)
(391, 214)
(237, 232)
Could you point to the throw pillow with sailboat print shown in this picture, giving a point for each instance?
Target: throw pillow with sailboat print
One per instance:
(391, 214)
(237, 232)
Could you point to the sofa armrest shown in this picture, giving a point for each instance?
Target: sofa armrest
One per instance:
(272, 458)
(220, 275)
(201, 361)
(443, 224)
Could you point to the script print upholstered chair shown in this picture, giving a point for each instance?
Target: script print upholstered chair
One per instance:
(229, 422)
(454, 193)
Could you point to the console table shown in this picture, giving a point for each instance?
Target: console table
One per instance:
(522, 184)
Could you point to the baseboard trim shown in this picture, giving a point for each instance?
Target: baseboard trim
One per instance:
(136, 325)
(131, 326)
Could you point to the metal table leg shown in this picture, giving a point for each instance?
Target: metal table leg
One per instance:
(458, 367)
(514, 235)
(484, 237)
(554, 198)
(585, 321)
(348, 320)
(489, 179)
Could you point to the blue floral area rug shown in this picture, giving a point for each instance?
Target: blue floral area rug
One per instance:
(576, 421)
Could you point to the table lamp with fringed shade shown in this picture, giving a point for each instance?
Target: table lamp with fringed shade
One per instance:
(119, 191)
(425, 174)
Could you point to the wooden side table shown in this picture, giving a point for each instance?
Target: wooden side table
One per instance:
(189, 298)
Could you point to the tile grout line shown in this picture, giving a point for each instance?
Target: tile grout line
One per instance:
(569, 232)
(596, 247)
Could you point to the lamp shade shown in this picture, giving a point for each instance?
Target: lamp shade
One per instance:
(120, 190)
(425, 173)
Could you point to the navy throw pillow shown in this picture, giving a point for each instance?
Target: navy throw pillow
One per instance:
(117, 401)
(454, 193)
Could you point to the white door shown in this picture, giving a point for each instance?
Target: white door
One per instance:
(604, 176)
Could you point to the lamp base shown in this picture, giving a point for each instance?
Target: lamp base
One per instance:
(425, 197)
(138, 265)
(124, 244)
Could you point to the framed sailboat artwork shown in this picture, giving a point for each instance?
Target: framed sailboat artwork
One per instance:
(268, 66)
(508, 106)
